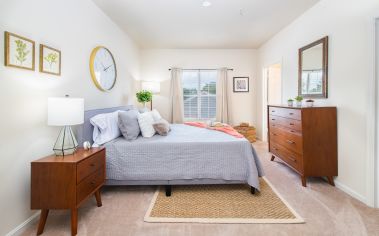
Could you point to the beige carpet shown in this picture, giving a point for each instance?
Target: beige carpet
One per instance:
(221, 204)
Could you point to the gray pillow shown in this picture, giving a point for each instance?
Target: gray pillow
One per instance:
(128, 124)
(162, 127)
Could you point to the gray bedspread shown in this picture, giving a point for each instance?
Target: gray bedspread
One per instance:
(186, 153)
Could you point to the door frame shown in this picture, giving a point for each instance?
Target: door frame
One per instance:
(372, 164)
(265, 95)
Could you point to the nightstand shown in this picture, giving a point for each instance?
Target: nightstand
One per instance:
(65, 182)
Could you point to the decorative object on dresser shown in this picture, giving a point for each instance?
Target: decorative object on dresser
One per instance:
(299, 100)
(19, 51)
(240, 84)
(290, 102)
(65, 111)
(103, 68)
(49, 60)
(152, 86)
(66, 182)
(305, 139)
(144, 97)
(246, 130)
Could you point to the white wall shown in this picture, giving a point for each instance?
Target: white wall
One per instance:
(74, 27)
(156, 62)
(350, 27)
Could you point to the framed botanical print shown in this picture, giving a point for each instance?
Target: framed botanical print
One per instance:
(19, 51)
(49, 60)
(240, 84)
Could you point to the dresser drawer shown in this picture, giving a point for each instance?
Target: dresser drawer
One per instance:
(89, 165)
(291, 141)
(89, 184)
(285, 112)
(291, 124)
(291, 158)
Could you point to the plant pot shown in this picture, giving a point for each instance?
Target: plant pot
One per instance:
(309, 104)
(298, 103)
(290, 103)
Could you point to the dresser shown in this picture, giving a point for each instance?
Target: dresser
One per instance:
(65, 182)
(305, 139)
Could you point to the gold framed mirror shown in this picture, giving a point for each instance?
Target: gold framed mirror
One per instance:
(313, 70)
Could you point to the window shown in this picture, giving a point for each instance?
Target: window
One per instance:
(199, 94)
(311, 82)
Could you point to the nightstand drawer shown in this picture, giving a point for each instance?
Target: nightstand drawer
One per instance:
(89, 184)
(89, 165)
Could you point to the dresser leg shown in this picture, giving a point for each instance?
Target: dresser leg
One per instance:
(42, 221)
(272, 158)
(331, 180)
(74, 221)
(98, 198)
(304, 181)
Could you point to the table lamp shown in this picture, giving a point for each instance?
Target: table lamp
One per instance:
(65, 111)
(154, 87)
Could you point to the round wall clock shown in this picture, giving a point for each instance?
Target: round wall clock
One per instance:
(103, 68)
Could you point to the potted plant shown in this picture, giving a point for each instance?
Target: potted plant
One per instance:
(298, 99)
(290, 102)
(309, 102)
(144, 96)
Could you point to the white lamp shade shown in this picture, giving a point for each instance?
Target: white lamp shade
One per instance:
(152, 86)
(65, 111)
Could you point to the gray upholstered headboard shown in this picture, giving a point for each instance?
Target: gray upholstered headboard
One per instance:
(85, 131)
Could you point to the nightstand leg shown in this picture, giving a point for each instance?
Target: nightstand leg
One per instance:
(74, 221)
(272, 158)
(98, 198)
(331, 180)
(42, 221)
(304, 181)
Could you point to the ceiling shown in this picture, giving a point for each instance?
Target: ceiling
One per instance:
(187, 24)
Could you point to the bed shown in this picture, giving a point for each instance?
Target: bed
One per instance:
(188, 155)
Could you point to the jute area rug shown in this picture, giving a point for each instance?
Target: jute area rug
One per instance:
(221, 204)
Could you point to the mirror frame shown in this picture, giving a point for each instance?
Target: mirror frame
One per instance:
(324, 42)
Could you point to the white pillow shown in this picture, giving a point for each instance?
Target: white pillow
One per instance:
(146, 121)
(156, 115)
(105, 127)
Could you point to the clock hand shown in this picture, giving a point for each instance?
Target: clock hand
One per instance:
(107, 68)
(102, 66)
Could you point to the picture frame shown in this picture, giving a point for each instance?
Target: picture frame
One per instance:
(49, 60)
(240, 84)
(19, 51)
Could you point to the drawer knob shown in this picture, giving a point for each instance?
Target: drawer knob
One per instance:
(274, 134)
(292, 131)
(290, 142)
(273, 111)
(92, 164)
(292, 159)
(292, 124)
(272, 119)
(93, 183)
(291, 113)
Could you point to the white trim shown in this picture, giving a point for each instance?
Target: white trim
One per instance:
(18, 229)
(376, 141)
(350, 191)
(297, 220)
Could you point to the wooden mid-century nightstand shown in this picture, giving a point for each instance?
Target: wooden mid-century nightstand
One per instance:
(65, 182)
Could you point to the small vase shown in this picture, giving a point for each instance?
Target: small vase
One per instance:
(309, 104)
(290, 103)
(298, 103)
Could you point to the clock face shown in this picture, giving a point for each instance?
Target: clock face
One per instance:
(103, 68)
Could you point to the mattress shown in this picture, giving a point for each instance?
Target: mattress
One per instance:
(186, 153)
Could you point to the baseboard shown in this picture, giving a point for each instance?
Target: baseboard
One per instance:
(18, 229)
(349, 191)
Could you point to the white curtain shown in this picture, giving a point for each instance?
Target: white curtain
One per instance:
(176, 96)
(222, 108)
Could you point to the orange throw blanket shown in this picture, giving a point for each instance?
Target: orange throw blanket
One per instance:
(226, 128)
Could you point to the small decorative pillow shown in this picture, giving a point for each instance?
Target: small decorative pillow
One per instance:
(156, 115)
(128, 124)
(162, 127)
(145, 121)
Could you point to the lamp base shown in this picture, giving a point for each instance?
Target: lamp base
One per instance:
(66, 143)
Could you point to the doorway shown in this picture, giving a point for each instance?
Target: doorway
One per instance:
(377, 112)
(272, 91)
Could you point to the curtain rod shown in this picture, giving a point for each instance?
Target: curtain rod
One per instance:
(205, 69)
